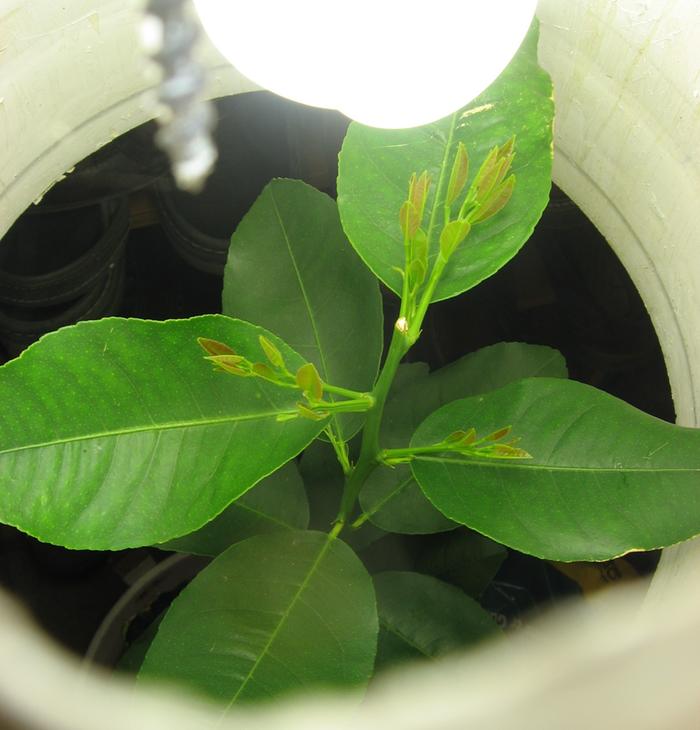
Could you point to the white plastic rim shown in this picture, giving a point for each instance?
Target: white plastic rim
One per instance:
(627, 142)
(396, 63)
(627, 151)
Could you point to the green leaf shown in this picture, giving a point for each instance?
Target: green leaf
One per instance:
(463, 558)
(272, 614)
(375, 165)
(275, 504)
(290, 269)
(605, 479)
(391, 496)
(118, 433)
(395, 503)
(422, 617)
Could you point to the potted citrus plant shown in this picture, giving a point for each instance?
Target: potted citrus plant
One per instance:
(175, 451)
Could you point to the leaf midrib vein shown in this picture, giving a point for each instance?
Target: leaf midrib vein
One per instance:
(128, 431)
(307, 303)
(283, 619)
(263, 515)
(399, 635)
(554, 467)
(441, 183)
(398, 488)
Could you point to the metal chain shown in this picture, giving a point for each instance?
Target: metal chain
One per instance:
(170, 33)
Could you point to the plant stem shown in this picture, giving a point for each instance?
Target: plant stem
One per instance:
(359, 405)
(369, 449)
(341, 449)
(391, 454)
(415, 325)
(406, 332)
(354, 394)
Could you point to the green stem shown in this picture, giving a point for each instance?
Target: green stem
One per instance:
(358, 405)
(354, 394)
(341, 449)
(369, 449)
(391, 454)
(417, 321)
(406, 332)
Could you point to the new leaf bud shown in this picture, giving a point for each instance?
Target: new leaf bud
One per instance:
(309, 381)
(271, 352)
(212, 347)
(459, 174)
(263, 370)
(452, 235)
(496, 202)
(409, 219)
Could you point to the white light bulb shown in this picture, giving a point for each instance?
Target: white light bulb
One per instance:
(385, 63)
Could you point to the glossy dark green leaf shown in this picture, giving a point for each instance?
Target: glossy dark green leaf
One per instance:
(291, 269)
(376, 164)
(605, 478)
(277, 503)
(272, 614)
(391, 496)
(463, 558)
(119, 433)
(423, 617)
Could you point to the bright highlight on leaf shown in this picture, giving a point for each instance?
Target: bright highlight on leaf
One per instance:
(375, 165)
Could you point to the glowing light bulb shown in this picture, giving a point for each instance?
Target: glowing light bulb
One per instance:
(385, 63)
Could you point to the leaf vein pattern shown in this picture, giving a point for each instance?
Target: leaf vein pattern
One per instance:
(549, 468)
(443, 179)
(307, 303)
(394, 493)
(283, 619)
(141, 429)
(393, 630)
(263, 515)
